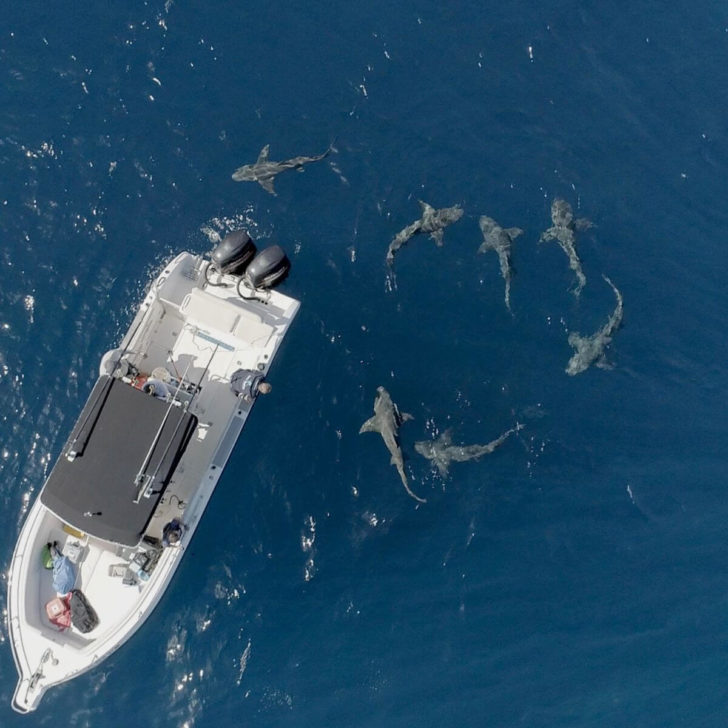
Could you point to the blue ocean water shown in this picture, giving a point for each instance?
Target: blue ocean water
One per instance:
(575, 577)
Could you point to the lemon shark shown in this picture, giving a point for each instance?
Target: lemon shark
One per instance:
(442, 452)
(499, 239)
(263, 171)
(432, 222)
(564, 230)
(590, 349)
(386, 421)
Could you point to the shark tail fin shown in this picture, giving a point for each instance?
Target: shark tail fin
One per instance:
(369, 426)
(617, 293)
(411, 493)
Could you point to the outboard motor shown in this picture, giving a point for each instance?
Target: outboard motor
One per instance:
(233, 253)
(268, 268)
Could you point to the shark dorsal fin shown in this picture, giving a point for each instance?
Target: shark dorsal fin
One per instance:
(263, 156)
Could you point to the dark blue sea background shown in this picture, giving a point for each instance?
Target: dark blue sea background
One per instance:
(576, 576)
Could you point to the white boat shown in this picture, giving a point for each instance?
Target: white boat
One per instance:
(145, 453)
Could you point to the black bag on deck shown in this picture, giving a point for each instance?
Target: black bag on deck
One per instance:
(83, 615)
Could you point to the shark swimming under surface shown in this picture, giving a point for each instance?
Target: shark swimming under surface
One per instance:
(590, 349)
(563, 230)
(386, 421)
(432, 222)
(263, 170)
(442, 452)
(499, 239)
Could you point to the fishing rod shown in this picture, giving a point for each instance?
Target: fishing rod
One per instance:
(142, 480)
(140, 475)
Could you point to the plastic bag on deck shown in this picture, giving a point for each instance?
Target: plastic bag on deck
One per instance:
(64, 576)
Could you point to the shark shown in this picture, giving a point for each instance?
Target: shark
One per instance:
(442, 452)
(590, 349)
(564, 230)
(432, 222)
(386, 421)
(263, 171)
(499, 239)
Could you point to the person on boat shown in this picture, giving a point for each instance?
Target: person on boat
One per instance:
(249, 383)
(156, 388)
(172, 532)
(64, 576)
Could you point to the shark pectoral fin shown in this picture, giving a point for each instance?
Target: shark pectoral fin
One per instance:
(437, 237)
(603, 363)
(300, 169)
(575, 340)
(514, 232)
(547, 235)
(400, 417)
(263, 156)
(267, 185)
(369, 426)
(442, 467)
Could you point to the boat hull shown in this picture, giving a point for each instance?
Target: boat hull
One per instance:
(200, 334)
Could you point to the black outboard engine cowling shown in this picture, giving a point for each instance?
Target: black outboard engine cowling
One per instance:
(233, 253)
(268, 268)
